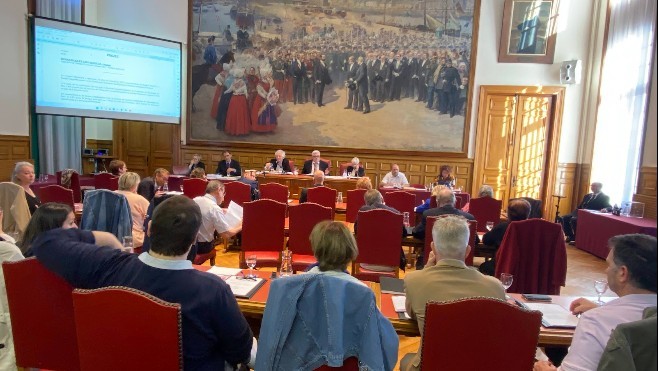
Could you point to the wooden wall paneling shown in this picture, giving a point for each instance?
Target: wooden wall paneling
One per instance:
(136, 142)
(565, 186)
(161, 147)
(97, 144)
(581, 187)
(646, 191)
(13, 149)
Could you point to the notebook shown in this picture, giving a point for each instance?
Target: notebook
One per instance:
(390, 285)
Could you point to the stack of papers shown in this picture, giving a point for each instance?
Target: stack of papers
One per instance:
(399, 306)
(554, 315)
(233, 215)
(240, 286)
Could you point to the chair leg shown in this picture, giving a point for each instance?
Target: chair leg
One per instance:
(212, 261)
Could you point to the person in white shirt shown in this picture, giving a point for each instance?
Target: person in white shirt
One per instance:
(394, 178)
(632, 275)
(213, 218)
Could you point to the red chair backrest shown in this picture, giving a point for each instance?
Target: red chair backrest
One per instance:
(433, 202)
(174, 183)
(237, 192)
(534, 252)
(55, 193)
(194, 187)
(466, 197)
(349, 364)
(485, 209)
(322, 195)
(108, 320)
(454, 329)
(106, 181)
(354, 202)
(302, 219)
(429, 224)
(274, 191)
(263, 225)
(402, 202)
(459, 202)
(379, 237)
(42, 319)
(292, 165)
(75, 187)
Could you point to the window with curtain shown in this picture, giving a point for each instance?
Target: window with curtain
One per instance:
(59, 137)
(625, 79)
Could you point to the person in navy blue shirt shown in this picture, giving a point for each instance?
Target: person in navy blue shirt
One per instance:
(214, 330)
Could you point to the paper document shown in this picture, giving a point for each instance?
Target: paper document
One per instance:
(223, 271)
(554, 315)
(233, 215)
(242, 287)
(398, 305)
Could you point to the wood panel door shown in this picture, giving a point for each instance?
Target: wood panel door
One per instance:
(517, 141)
(146, 146)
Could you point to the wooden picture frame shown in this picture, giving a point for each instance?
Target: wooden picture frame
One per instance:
(528, 32)
(444, 140)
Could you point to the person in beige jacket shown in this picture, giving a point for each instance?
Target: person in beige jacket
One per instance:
(445, 277)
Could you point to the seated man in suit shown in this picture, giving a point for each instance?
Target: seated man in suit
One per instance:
(318, 181)
(315, 164)
(445, 277)
(151, 187)
(596, 200)
(355, 170)
(279, 163)
(195, 162)
(214, 331)
(394, 178)
(631, 274)
(445, 201)
(374, 200)
(228, 167)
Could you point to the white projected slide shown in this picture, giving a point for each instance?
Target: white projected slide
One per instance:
(91, 72)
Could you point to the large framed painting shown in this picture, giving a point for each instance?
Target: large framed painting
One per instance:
(371, 75)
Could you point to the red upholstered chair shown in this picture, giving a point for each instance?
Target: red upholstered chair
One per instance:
(342, 167)
(180, 169)
(237, 192)
(274, 191)
(194, 187)
(485, 209)
(292, 165)
(534, 252)
(42, 318)
(379, 240)
(459, 202)
(402, 202)
(106, 181)
(302, 219)
(504, 335)
(433, 203)
(199, 259)
(472, 227)
(75, 185)
(55, 193)
(108, 320)
(263, 231)
(349, 364)
(175, 182)
(324, 196)
(354, 202)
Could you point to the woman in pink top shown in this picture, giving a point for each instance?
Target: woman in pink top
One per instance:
(128, 183)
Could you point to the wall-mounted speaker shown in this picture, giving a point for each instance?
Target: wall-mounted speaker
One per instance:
(570, 72)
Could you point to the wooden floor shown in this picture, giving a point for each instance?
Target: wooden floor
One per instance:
(582, 269)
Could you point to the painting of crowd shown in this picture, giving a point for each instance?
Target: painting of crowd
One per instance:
(269, 71)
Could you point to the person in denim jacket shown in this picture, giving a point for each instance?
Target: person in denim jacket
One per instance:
(307, 323)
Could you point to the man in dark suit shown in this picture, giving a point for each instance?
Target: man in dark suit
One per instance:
(149, 187)
(352, 92)
(195, 162)
(361, 80)
(228, 167)
(355, 169)
(279, 162)
(315, 164)
(320, 78)
(318, 181)
(298, 72)
(596, 200)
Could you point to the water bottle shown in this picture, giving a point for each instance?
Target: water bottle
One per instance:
(286, 263)
(340, 197)
(345, 173)
(165, 187)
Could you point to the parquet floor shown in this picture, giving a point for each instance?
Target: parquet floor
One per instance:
(582, 269)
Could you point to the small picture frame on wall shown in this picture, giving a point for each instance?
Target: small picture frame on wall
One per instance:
(528, 31)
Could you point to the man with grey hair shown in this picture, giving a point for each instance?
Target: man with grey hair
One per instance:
(315, 164)
(445, 201)
(486, 191)
(318, 181)
(212, 218)
(445, 277)
(279, 163)
(596, 200)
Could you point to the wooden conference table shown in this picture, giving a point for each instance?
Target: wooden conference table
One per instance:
(296, 182)
(594, 229)
(254, 307)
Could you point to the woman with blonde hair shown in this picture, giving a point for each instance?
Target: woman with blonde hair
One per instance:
(23, 175)
(128, 183)
(334, 247)
(364, 183)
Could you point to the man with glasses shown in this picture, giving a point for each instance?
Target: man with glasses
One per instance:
(229, 166)
(315, 164)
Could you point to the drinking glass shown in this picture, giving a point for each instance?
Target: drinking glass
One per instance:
(340, 197)
(128, 244)
(45, 177)
(251, 263)
(600, 286)
(506, 279)
(181, 187)
(490, 225)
